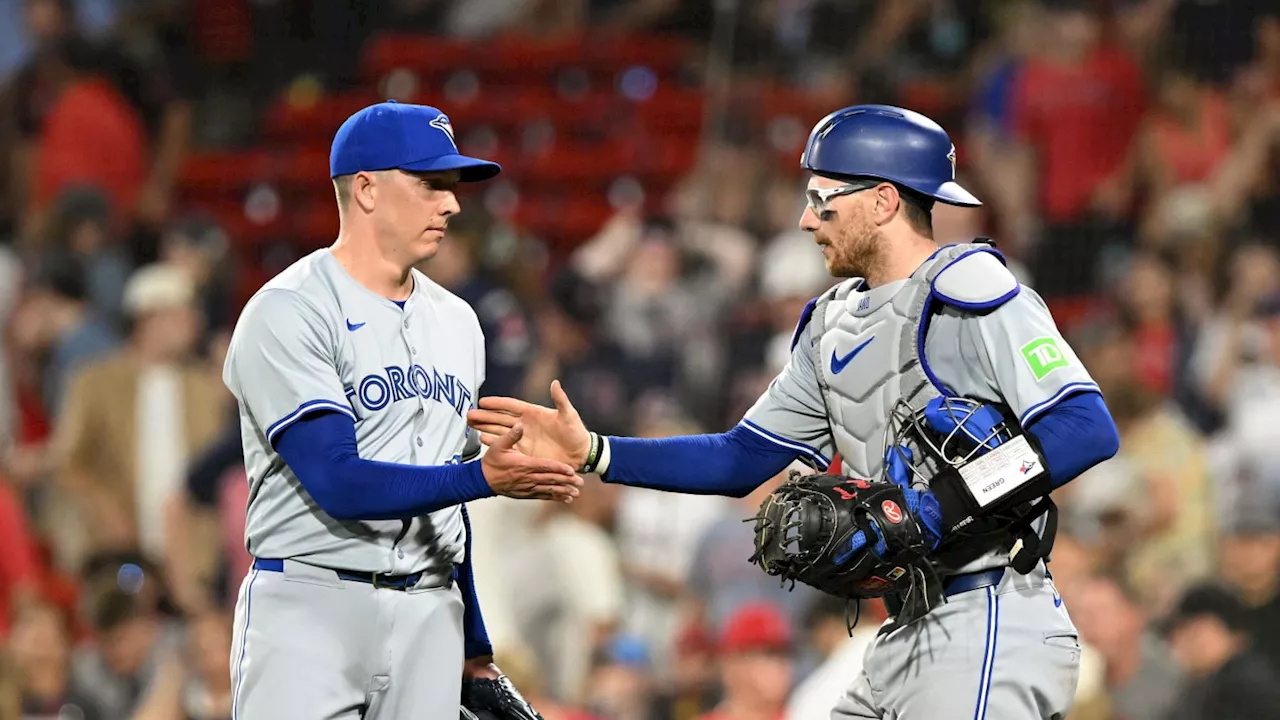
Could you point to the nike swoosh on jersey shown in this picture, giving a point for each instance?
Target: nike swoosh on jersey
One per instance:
(839, 363)
(354, 326)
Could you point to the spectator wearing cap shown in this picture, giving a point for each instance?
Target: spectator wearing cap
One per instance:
(792, 272)
(1227, 680)
(1250, 565)
(132, 420)
(621, 684)
(694, 687)
(755, 665)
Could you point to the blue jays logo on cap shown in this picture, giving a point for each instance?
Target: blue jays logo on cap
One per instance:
(403, 136)
(444, 125)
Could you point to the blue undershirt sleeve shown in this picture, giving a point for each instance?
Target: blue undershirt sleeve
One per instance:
(321, 450)
(732, 463)
(475, 636)
(1075, 434)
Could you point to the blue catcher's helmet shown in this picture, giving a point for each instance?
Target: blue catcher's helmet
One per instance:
(887, 143)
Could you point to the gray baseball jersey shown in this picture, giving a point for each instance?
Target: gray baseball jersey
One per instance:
(314, 339)
(1011, 354)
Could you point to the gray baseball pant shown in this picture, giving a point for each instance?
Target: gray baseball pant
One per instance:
(310, 645)
(1006, 652)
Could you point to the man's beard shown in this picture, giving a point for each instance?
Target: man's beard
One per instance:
(857, 251)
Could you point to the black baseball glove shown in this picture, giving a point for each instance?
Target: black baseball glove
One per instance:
(489, 699)
(808, 531)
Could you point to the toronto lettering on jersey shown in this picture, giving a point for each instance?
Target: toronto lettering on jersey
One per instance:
(377, 391)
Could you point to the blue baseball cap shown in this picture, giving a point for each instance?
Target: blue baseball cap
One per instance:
(392, 135)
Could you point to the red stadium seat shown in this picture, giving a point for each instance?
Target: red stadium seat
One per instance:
(313, 120)
(316, 224)
(664, 54)
(429, 57)
(249, 279)
(241, 231)
(214, 172)
(563, 220)
(580, 165)
(667, 157)
(525, 60)
(672, 111)
(592, 113)
(307, 170)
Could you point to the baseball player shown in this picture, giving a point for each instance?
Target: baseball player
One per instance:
(918, 325)
(353, 374)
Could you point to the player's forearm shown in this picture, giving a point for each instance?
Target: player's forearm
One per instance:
(321, 451)
(1075, 435)
(732, 463)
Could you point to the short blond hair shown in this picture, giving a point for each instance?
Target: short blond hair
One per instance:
(342, 188)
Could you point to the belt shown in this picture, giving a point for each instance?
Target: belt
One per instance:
(378, 580)
(954, 585)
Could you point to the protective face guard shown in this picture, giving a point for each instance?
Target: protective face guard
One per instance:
(936, 453)
(934, 450)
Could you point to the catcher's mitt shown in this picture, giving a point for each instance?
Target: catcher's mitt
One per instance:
(489, 699)
(805, 530)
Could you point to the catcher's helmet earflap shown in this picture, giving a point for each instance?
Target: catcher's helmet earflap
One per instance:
(975, 428)
(887, 143)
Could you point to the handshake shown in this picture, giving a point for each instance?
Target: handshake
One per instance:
(534, 452)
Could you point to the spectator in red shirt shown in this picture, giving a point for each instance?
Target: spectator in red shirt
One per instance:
(1183, 140)
(1147, 309)
(1076, 108)
(755, 665)
(18, 559)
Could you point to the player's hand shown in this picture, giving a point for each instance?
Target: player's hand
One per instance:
(555, 434)
(481, 666)
(922, 504)
(517, 475)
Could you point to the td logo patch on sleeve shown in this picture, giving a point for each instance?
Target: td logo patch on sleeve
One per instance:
(1043, 356)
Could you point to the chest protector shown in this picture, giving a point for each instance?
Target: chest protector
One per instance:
(869, 344)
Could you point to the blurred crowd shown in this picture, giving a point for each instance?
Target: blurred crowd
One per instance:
(1129, 155)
